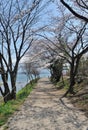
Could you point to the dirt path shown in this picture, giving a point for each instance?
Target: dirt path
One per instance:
(43, 110)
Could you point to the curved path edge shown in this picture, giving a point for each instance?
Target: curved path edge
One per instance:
(43, 110)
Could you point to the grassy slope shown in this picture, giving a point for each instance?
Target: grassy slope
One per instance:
(6, 110)
(80, 100)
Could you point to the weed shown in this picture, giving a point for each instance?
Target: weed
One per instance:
(6, 110)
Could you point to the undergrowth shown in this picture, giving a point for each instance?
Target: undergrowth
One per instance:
(80, 99)
(7, 109)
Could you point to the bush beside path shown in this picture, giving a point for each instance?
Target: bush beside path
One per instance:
(43, 110)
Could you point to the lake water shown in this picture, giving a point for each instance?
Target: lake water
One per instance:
(22, 79)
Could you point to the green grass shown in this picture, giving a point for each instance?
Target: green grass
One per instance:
(63, 84)
(6, 110)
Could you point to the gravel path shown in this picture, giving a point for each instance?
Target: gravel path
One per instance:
(43, 110)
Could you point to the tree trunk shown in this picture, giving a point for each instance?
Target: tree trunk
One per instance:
(13, 93)
(72, 81)
(71, 89)
(13, 84)
(6, 93)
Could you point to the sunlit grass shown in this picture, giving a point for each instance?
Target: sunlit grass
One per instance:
(6, 110)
